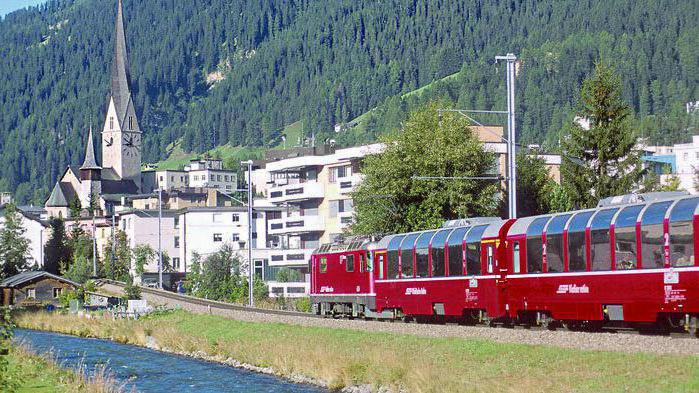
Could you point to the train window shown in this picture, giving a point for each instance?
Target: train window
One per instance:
(406, 255)
(652, 235)
(576, 242)
(489, 247)
(625, 237)
(422, 257)
(554, 243)
(681, 233)
(534, 245)
(349, 263)
(323, 264)
(515, 258)
(438, 252)
(473, 250)
(381, 258)
(600, 249)
(456, 251)
(361, 263)
(392, 256)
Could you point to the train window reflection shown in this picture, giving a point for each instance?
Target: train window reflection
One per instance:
(535, 246)
(652, 235)
(554, 243)
(422, 254)
(625, 237)
(473, 250)
(392, 255)
(681, 233)
(438, 252)
(600, 239)
(576, 242)
(406, 255)
(456, 252)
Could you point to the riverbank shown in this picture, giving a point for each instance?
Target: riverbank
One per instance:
(342, 357)
(29, 372)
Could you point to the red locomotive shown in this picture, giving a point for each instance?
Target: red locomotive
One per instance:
(620, 264)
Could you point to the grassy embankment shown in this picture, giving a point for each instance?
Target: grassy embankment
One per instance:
(38, 374)
(347, 357)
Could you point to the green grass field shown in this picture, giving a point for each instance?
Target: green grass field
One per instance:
(418, 364)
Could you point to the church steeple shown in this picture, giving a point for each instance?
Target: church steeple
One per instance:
(121, 78)
(90, 163)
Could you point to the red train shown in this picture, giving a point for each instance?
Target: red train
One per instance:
(621, 264)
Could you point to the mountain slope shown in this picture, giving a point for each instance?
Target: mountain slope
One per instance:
(215, 72)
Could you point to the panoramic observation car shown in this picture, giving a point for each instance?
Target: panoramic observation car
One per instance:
(632, 261)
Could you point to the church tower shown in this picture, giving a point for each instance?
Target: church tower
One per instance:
(121, 135)
(90, 175)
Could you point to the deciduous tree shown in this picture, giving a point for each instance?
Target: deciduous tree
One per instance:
(391, 198)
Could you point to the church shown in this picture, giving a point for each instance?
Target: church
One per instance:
(103, 187)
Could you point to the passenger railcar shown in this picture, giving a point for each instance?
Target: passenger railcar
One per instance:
(618, 264)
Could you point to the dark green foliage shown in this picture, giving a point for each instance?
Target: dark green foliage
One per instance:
(8, 382)
(80, 244)
(220, 277)
(56, 252)
(131, 291)
(323, 62)
(117, 257)
(391, 200)
(13, 245)
(601, 162)
(534, 186)
(80, 270)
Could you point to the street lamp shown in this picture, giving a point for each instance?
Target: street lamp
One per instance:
(251, 273)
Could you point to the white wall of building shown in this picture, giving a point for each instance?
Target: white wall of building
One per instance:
(143, 229)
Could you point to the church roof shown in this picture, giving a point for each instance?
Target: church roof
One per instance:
(121, 187)
(57, 198)
(90, 161)
(121, 78)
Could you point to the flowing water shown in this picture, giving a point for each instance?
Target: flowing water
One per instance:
(152, 371)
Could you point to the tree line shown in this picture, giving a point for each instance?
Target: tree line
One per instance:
(220, 71)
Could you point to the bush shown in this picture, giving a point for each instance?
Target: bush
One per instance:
(303, 304)
(131, 291)
(65, 297)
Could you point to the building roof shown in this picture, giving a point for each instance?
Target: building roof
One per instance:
(90, 161)
(57, 197)
(121, 78)
(126, 187)
(24, 277)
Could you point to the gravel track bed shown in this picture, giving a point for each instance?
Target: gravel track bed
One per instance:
(615, 342)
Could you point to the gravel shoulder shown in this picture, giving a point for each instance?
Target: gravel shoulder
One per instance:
(615, 342)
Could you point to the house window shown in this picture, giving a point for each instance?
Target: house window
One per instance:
(235, 237)
(218, 177)
(177, 242)
(235, 218)
(260, 268)
(225, 177)
(203, 177)
(176, 263)
(57, 292)
(31, 293)
(218, 237)
(177, 222)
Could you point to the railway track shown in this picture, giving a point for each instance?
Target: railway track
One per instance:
(209, 303)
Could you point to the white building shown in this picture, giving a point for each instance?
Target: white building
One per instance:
(202, 173)
(37, 233)
(681, 160)
(141, 227)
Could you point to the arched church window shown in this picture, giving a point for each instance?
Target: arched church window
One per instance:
(111, 123)
(130, 122)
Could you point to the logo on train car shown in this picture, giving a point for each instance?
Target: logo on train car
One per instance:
(415, 291)
(572, 288)
(326, 289)
(471, 296)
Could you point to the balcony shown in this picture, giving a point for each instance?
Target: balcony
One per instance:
(297, 191)
(294, 256)
(296, 224)
(349, 184)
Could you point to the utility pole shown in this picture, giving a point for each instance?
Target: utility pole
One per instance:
(251, 270)
(94, 245)
(511, 151)
(114, 241)
(160, 246)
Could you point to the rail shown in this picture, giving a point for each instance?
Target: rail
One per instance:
(210, 303)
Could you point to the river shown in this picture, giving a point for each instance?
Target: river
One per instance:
(147, 370)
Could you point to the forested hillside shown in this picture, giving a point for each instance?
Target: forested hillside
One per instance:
(211, 72)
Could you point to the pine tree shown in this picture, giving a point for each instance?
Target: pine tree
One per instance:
(14, 247)
(600, 161)
(534, 186)
(57, 253)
